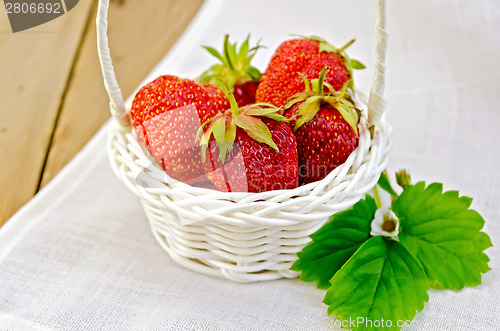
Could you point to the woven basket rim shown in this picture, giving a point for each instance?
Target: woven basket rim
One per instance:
(363, 129)
(193, 204)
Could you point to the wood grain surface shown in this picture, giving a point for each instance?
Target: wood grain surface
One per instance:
(53, 98)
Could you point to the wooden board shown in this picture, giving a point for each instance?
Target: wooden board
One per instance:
(34, 69)
(53, 98)
(140, 34)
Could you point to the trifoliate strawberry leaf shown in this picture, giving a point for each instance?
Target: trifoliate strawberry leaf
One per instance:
(335, 243)
(382, 280)
(444, 234)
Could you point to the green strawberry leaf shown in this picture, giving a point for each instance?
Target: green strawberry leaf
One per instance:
(214, 52)
(349, 115)
(348, 44)
(382, 280)
(335, 243)
(229, 52)
(254, 73)
(261, 111)
(307, 84)
(256, 129)
(219, 132)
(235, 65)
(277, 117)
(205, 137)
(326, 47)
(230, 134)
(307, 110)
(313, 37)
(299, 97)
(271, 112)
(344, 88)
(355, 64)
(444, 234)
(385, 184)
(219, 129)
(242, 53)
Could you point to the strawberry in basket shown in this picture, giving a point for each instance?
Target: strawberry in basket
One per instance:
(251, 149)
(167, 114)
(307, 56)
(325, 125)
(234, 70)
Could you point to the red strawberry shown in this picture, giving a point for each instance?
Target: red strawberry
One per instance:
(167, 114)
(325, 127)
(217, 95)
(307, 56)
(245, 93)
(252, 149)
(235, 71)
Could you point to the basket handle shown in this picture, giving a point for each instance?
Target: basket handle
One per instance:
(376, 103)
(117, 105)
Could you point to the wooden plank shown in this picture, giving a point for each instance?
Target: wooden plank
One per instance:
(140, 34)
(34, 70)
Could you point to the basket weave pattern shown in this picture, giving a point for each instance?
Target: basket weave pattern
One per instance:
(243, 237)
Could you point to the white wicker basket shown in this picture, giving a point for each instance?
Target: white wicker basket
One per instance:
(243, 237)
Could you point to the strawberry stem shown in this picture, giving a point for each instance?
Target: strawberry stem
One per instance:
(232, 101)
(321, 80)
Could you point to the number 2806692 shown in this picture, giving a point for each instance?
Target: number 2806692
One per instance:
(33, 8)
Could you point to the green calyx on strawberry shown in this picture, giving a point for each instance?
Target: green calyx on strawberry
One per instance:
(234, 70)
(167, 114)
(313, 98)
(251, 149)
(349, 63)
(308, 56)
(325, 126)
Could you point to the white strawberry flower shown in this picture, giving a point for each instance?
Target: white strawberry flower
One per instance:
(385, 223)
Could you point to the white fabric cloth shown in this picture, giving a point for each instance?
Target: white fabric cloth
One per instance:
(80, 255)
